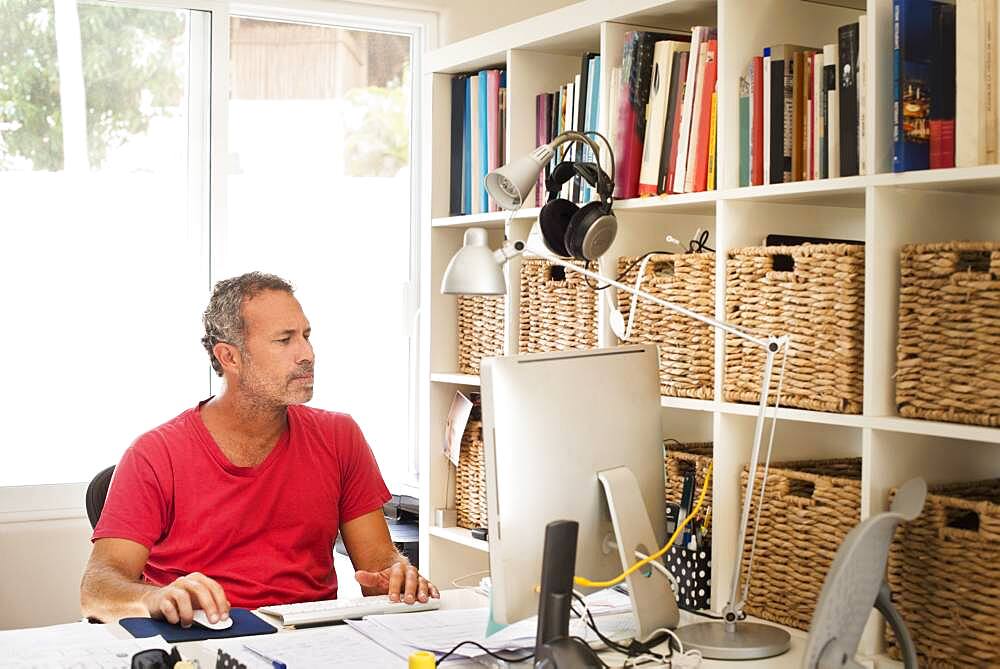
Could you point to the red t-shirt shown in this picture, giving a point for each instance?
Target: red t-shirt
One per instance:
(265, 533)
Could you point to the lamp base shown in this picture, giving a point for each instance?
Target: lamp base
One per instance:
(748, 641)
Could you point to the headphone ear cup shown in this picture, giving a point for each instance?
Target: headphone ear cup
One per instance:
(590, 232)
(554, 220)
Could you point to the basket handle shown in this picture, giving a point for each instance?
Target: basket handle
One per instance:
(976, 262)
(556, 273)
(782, 262)
(960, 523)
(663, 269)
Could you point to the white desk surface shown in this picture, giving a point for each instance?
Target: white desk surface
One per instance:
(205, 651)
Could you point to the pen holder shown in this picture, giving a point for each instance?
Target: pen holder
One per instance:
(692, 568)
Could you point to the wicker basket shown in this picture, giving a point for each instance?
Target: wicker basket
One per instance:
(687, 347)
(944, 571)
(948, 359)
(558, 309)
(470, 478)
(819, 302)
(682, 459)
(809, 507)
(480, 330)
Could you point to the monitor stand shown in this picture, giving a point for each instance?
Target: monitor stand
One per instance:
(653, 602)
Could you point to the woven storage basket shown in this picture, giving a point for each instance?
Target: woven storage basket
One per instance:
(480, 330)
(820, 303)
(944, 571)
(470, 478)
(809, 507)
(948, 358)
(682, 459)
(687, 347)
(558, 309)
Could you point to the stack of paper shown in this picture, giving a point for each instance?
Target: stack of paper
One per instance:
(442, 630)
(78, 645)
(338, 646)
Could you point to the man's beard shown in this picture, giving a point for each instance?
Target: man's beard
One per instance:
(266, 392)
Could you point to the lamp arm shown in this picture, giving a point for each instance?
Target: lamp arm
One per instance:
(773, 344)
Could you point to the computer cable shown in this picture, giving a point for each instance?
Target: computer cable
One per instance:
(635, 649)
(588, 583)
(493, 654)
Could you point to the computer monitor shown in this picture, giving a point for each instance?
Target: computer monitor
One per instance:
(575, 436)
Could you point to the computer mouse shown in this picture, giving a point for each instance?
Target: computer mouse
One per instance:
(201, 618)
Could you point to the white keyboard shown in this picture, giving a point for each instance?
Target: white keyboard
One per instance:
(334, 610)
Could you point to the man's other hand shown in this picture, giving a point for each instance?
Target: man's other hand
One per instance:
(401, 582)
(177, 602)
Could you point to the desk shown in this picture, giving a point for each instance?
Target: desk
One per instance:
(204, 651)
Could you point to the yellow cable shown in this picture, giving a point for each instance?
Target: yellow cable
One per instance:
(587, 583)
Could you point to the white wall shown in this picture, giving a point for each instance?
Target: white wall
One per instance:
(41, 563)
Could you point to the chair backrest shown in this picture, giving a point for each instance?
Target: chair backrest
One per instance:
(97, 492)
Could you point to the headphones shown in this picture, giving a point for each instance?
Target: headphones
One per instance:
(569, 231)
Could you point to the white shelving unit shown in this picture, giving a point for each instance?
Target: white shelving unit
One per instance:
(886, 210)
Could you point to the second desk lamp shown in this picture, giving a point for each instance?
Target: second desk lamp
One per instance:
(477, 270)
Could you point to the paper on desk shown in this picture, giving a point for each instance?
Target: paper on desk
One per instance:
(57, 652)
(337, 645)
(68, 634)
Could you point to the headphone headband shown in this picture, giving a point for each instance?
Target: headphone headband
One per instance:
(590, 172)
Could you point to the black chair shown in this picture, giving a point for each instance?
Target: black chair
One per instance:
(97, 492)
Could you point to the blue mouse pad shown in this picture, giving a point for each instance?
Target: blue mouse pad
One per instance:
(245, 623)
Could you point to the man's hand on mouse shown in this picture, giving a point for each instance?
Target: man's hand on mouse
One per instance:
(400, 581)
(177, 602)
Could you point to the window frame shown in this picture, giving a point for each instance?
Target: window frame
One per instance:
(59, 501)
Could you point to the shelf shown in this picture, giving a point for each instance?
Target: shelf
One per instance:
(489, 220)
(459, 535)
(798, 415)
(936, 428)
(702, 203)
(839, 192)
(457, 379)
(687, 404)
(983, 179)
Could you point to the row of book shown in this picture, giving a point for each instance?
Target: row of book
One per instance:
(802, 111)
(944, 83)
(574, 106)
(478, 130)
(663, 109)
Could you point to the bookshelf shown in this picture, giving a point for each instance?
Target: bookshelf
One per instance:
(884, 209)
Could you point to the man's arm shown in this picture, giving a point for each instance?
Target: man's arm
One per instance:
(111, 588)
(381, 568)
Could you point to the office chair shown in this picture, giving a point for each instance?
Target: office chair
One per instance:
(856, 582)
(97, 492)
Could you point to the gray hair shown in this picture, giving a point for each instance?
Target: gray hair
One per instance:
(223, 318)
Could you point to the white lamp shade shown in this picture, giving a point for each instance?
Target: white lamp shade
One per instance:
(511, 184)
(474, 270)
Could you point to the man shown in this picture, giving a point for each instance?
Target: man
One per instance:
(239, 500)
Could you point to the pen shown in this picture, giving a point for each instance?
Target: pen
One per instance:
(275, 664)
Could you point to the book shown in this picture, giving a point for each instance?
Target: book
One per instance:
(587, 104)
(594, 107)
(582, 82)
(637, 68)
(988, 84)
(818, 157)
(468, 202)
(700, 113)
(768, 128)
(699, 35)
(757, 123)
(942, 82)
(847, 45)
(712, 131)
(659, 95)
(911, 130)
(492, 126)
(862, 90)
(798, 72)
(832, 111)
(744, 171)
(457, 139)
(543, 124)
(699, 179)
(668, 157)
(483, 165)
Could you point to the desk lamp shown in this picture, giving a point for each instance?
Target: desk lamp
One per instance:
(477, 270)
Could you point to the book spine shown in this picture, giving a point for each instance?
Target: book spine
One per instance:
(767, 116)
(483, 144)
(745, 132)
(915, 95)
(989, 96)
(678, 70)
(684, 138)
(819, 115)
(457, 129)
(697, 145)
(713, 128)
(798, 70)
(676, 129)
(862, 92)
(897, 95)
(655, 118)
(848, 103)
(757, 124)
(832, 111)
(700, 177)
(468, 179)
(942, 142)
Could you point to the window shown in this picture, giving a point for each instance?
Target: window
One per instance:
(102, 249)
(319, 193)
(112, 118)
